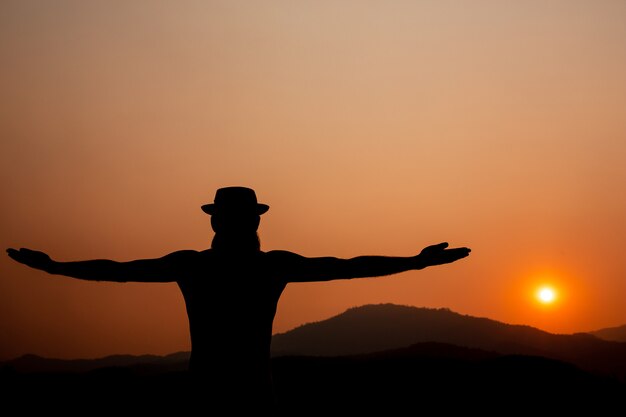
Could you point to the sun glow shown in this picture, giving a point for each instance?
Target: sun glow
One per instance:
(546, 295)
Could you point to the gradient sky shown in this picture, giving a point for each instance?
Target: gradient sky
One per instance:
(369, 127)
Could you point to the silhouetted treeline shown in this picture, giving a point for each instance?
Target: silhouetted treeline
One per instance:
(406, 381)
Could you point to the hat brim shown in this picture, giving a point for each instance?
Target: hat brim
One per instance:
(212, 208)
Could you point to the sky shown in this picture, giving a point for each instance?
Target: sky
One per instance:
(369, 127)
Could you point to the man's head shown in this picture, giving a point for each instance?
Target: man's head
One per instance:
(235, 216)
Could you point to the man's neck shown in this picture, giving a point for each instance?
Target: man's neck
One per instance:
(236, 244)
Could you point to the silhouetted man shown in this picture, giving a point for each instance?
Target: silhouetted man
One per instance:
(231, 291)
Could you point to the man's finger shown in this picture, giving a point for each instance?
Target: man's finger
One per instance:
(462, 252)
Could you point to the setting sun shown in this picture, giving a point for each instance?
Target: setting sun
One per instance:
(546, 295)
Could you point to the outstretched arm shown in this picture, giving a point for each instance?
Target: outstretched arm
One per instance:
(144, 270)
(301, 269)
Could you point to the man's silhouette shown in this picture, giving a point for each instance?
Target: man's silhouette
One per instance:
(231, 291)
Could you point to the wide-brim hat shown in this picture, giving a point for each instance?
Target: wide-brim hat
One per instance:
(235, 199)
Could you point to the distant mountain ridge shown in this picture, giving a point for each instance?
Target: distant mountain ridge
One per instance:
(616, 334)
(146, 363)
(365, 359)
(384, 329)
(379, 327)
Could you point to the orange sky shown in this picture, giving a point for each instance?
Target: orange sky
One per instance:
(368, 127)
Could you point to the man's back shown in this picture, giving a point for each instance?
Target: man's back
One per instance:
(231, 302)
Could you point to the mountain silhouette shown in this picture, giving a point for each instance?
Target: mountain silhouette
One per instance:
(386, 358)
(385, 328)
(382, 327)
(615, 334)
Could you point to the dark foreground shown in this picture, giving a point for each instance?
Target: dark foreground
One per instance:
(413, 383)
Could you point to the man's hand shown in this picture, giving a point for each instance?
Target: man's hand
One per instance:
(32, 258)
(438, 255)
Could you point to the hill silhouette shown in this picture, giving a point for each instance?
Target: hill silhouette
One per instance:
(385, 358)
(615, 334)
(383, 328)
(380, 327)
(144, 363)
